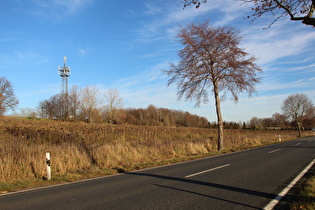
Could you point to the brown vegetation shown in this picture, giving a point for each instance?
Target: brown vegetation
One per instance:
(85, 149)
(85, 105)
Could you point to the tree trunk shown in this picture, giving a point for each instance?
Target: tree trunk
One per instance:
(299, 128)
(219, 117)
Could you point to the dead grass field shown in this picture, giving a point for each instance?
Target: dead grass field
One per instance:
(80, 150)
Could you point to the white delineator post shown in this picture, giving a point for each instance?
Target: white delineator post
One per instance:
(48, 166)
(279, 137)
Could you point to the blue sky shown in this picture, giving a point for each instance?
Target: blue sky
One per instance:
(125, 45)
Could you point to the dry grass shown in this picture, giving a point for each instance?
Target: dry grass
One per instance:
(81, 150)
(303, 196)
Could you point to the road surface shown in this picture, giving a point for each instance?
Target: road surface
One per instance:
(241, 180)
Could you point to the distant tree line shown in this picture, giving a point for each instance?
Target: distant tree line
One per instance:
(277, 121)
(89, 105)
(280, 121)
(298, 112)
(163, 117)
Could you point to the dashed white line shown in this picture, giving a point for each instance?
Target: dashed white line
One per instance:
(274, 151)
(297, 144)
(212, 169)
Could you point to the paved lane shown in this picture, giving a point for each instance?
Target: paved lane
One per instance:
(241, 180)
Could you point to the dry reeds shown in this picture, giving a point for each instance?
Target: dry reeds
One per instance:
(81, 148)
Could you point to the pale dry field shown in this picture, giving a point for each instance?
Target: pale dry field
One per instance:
(80, 150)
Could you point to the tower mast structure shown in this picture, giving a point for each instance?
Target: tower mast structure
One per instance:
(64, 72)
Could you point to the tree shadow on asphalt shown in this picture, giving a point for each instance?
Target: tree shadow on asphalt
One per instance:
(204, 195)
(214, 185)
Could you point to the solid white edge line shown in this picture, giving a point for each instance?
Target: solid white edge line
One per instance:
(212, 169)
(274, 151)
(277, 199)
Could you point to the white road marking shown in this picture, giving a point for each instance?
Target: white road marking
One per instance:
(202, 172)
(297, 144)
(274, 151)
(275, 201)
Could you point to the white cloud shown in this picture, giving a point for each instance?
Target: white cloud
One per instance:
(277, 42)
(280, 41)
(308, 68)
(151, 9)
(174, 14)
(7, 39)
(47, 90)
(19, 58)
(82, 52)
(72, 6)
(59, 9)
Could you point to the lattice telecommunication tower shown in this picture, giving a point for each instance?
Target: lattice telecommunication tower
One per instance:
(64, 72)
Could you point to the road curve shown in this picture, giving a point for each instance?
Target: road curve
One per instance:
(242, 180)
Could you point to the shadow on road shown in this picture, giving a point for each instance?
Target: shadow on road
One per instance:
(208, 196)
(214, 185)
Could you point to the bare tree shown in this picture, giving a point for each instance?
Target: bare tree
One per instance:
(197, 3)
(28, 112)
(255, 123)
(62, 102)
(53, 108)
(74, 102)
(297, 10)
(212, 62)
(279, 120)
(8, 100)
(90, 103)
(114, 103)
(267, 123)
(60, 106)
(45, 109)
(296, 107)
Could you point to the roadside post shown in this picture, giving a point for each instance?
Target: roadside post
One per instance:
(48, 166)
(279, 137)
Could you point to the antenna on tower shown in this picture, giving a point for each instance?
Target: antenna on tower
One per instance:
(64, 72)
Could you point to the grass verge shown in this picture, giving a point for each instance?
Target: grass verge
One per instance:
(80, 150)
(302, 195)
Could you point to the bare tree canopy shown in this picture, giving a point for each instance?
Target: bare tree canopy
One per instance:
(194, 2)
(297, 107)
(90, 103)
(8, 99)
(211, 62)
(297, 10)
(114, 102)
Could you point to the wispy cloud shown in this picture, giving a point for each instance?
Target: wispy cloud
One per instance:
(147, 87)
(59, 9)
(277, 42)
(276, 84)
(151, 9)
(21, 58)
(49, 89)
(175, 14)
(7, 39)
(269, 46)
(72, 6)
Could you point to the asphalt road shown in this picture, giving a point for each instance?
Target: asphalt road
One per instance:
(241, 180)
